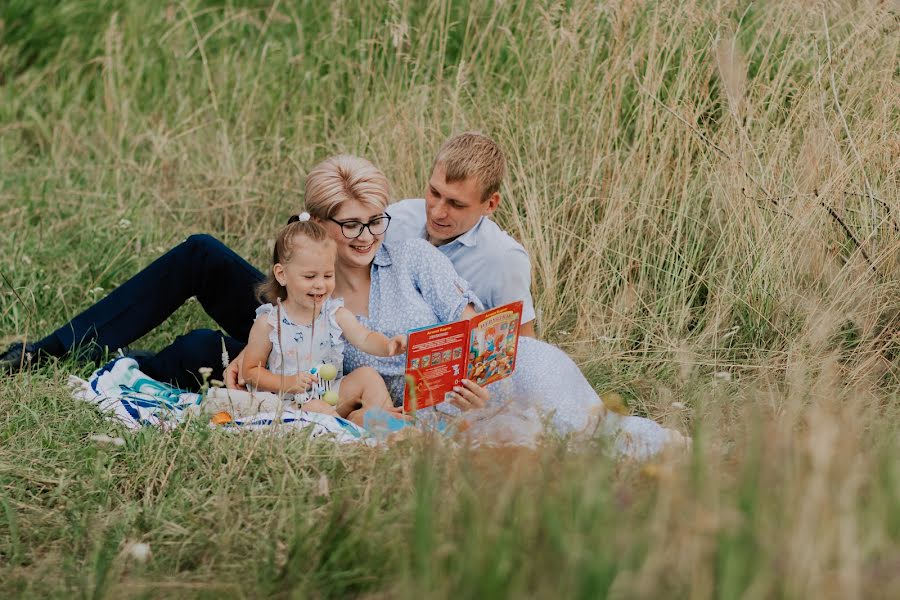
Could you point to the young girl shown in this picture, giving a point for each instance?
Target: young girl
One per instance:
(303, 327)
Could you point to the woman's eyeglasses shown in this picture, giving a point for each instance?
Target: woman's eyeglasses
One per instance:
(352, 229)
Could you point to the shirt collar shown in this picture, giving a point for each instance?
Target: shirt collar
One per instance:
(382, 256)
(469, 238)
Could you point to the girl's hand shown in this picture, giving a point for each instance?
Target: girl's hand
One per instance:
(396, 345)
(470, 396)
(300, 382)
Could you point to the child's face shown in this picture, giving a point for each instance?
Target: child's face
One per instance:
(309, 274)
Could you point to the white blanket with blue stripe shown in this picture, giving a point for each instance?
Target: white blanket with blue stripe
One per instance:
(125, 394)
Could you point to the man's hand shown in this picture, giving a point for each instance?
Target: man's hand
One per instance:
(234, 376)
(470, 396)
(396, 345)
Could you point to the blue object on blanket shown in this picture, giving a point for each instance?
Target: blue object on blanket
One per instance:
(380, 423)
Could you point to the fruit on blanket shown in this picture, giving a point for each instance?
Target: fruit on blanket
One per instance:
(330, 397)
(220, 418)
(327, 372)
(614, 403)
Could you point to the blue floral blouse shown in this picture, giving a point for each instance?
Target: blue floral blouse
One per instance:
(413, 285)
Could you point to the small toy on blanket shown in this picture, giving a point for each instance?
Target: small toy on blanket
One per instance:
(327, 372)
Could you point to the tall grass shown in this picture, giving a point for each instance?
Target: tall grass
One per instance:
(709, 194)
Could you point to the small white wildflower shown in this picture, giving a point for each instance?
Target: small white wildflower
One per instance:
(723, 376)
(205, 371)
(102, 438)
(124, 223)
(324, 488)
(139, 551)
(26, 259)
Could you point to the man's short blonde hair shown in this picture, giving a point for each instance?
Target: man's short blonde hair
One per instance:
(472, 154)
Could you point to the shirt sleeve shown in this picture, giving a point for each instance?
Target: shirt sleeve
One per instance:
(513, 282)
(268, 311)
(440, 285)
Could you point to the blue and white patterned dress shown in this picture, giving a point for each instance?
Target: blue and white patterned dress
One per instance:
(415, 285)
(297, 347)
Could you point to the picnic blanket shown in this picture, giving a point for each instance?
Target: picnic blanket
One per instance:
(128, 396)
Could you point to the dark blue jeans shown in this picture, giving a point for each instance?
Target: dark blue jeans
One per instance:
(201, 266)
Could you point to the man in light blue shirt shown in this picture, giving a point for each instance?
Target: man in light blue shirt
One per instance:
(462, 193)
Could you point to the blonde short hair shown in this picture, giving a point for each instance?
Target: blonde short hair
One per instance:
(340, 178)
(472, 154)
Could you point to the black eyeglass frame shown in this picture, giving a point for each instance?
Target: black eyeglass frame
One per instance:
(363, 226)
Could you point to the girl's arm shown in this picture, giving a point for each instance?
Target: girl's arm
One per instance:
(370, 342)
(256, 355)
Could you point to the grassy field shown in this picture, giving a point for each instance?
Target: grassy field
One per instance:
(709, 192)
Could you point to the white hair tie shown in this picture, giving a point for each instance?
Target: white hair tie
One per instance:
(304, 216)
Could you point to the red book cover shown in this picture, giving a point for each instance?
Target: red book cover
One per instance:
(482, 349)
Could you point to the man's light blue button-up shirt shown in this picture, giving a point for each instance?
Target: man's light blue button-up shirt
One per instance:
(495, 265)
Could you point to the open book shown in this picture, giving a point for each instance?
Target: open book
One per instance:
(482, 349)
